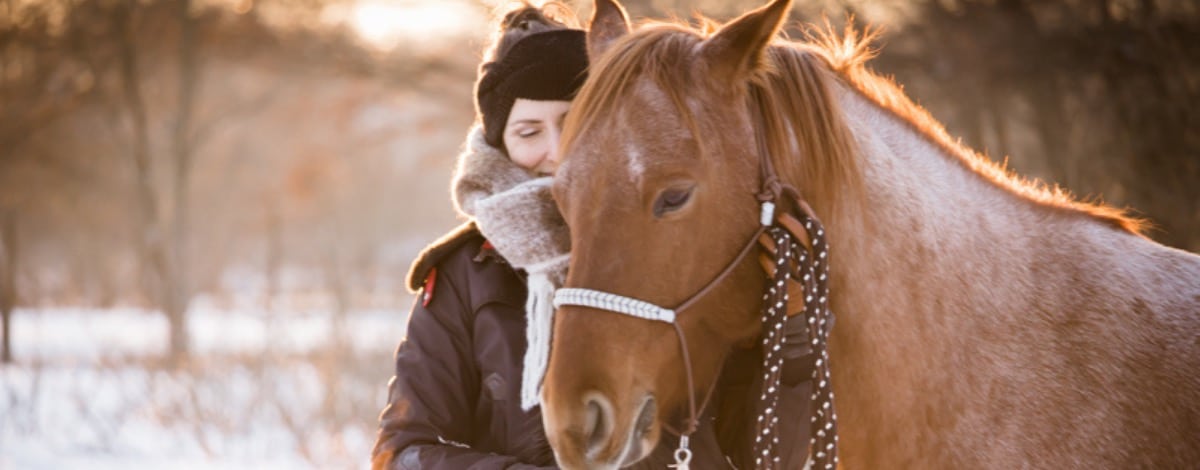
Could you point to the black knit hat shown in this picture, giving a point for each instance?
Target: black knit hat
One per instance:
(544, 66)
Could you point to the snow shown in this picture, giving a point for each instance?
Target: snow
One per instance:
(79, 333)
(263, 390)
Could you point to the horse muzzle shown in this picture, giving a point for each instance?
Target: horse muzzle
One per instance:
(603, 436)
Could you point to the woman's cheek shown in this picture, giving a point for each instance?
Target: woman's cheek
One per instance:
(526, 153)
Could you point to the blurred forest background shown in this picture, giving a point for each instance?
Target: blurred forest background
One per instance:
(190, 170)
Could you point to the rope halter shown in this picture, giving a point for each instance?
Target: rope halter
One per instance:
(812, 268)
(648, 311)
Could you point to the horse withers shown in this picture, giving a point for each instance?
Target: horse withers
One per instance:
(983, 321)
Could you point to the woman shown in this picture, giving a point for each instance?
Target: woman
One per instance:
(456, 399)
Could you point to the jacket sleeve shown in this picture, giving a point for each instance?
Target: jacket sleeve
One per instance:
(428, 422)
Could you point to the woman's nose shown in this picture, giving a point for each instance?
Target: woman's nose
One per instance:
(552, 153)
(549, 164)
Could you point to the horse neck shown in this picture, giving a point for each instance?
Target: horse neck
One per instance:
(940, 246)
(918, 201)
(949, 287)
(934, 236)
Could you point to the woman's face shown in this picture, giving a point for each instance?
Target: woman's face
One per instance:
(532, 132)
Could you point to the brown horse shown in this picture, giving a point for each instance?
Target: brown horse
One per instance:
(983, 321)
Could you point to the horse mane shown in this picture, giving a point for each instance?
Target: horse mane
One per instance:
(848, 53)
(793, 92)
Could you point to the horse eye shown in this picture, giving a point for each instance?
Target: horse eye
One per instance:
(671, 200)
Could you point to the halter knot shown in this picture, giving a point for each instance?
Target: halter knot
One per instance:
(772, 189)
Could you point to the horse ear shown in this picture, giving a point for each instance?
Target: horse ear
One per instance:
(609, 22)
(736, 50)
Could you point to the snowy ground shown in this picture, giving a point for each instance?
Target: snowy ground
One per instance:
(89, 389)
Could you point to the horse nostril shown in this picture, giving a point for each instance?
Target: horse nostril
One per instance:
(645, 418)
(598, 426)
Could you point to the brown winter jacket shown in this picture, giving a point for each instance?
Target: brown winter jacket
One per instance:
(454, 400)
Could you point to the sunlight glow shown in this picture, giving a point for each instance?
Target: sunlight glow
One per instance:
(386, 24)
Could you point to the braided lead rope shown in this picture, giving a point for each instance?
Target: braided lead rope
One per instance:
(823, 450)
(814, 267)
(613, 303)
(775, 302)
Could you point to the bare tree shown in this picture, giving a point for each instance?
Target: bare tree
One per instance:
(182, 144)
(8, 280)
(152, 241)
(42, 80)
(163, 240)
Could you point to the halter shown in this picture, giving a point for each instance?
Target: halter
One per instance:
(813, 268)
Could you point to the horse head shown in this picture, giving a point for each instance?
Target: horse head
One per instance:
(658, 187)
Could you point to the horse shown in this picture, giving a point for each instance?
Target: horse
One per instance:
(983, 320)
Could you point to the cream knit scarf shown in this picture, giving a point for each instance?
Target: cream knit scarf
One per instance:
(516, 213)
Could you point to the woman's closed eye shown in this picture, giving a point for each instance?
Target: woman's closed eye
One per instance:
(527, 133)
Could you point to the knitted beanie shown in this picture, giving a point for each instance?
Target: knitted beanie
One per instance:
(545, 66)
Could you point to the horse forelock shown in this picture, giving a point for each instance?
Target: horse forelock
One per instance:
(640, 74)
(654, 53)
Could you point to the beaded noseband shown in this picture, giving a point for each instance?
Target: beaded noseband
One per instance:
(811, 268)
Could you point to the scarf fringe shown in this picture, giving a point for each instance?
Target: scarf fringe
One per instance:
(539, 310)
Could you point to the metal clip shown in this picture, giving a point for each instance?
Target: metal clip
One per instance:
(683, 455)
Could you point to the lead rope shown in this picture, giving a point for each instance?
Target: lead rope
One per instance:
(683, 454)
(813, 271)
(775, 300)
(823, 445)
